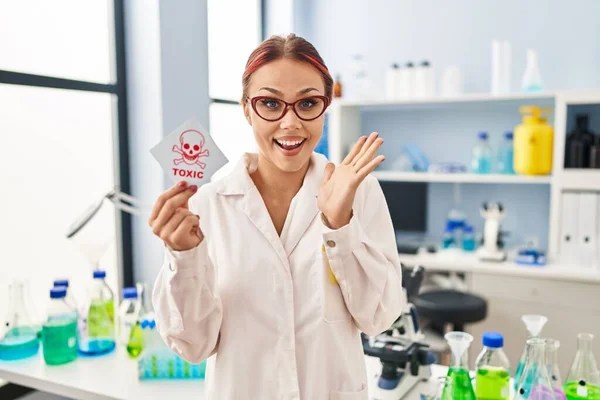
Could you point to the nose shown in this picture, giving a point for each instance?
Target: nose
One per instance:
(290, 120)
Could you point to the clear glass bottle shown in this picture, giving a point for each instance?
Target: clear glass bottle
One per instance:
(535, 383)
(482, 155)
(59, 332)
(532, 79)
(458, 381)
(98, 333)
(70, 299)
(492, 381)
(552, 346)
(583, 380)
(534, 325)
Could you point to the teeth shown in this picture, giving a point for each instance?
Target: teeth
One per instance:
(289, 142)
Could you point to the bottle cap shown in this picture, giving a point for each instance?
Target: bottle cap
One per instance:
(508, 135)
(130, 293)
(152, 324)
(482, 135)
(99, 274)
(493, 340)
(468, 229)
(144, 324)
(58, 292)
(61, 282)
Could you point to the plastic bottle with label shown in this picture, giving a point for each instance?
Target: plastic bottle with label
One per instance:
(482, 155)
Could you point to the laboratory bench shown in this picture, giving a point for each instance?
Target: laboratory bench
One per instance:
(569, 296)
(114, 377)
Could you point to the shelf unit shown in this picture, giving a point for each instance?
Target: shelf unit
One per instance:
(345, 129)
(400, 176)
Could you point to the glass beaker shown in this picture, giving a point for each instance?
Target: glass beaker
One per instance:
(22, 329)
(535, 383)
(534, 324)
(552, 346)
(583, 380)
(458, 381)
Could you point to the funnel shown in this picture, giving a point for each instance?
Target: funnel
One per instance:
(459, 342)
(534, 324)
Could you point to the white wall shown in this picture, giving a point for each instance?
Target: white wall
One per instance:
(566, 34)
(167, 84)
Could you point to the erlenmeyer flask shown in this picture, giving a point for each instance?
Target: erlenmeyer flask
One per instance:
(458, 381)
(534, 325)
(552, 346)
(583, 380)
(21, 336)
(535, 383)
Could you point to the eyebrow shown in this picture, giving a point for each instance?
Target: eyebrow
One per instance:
(277, 92)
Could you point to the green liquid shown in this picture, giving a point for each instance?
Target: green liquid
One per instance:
(59, 339)
(458, 385)
(574, 391)
(101, 319)
(136, 341)
(492, 384)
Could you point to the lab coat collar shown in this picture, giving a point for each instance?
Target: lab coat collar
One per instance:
(301, 214)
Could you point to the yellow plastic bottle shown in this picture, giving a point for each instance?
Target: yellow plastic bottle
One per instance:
(533, 142)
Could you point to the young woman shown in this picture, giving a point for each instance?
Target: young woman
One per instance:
(277, 268)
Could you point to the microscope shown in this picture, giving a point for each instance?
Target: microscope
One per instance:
(405, 360)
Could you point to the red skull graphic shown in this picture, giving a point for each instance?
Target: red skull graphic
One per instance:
(192, 142)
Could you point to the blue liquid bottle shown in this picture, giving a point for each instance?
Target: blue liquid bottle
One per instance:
(481, 161)
(505, 155)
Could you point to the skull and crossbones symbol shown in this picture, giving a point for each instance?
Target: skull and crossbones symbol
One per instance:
(192, 142)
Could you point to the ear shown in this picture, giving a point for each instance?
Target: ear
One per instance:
(246, 109)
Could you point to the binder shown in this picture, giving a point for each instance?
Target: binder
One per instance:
(587, 235)
(569, 219)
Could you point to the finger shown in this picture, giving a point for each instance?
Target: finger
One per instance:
(167, 229)
(369, 154)
(355, 149)
(171, 205)
(365, 147)
(160, 202)
(367, 169)
(185, 230)
(329, 168)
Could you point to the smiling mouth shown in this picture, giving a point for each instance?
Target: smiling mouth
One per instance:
(289, 144)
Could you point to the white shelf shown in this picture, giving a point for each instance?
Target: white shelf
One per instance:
(399, 176)
(580, 179)
(465, 98)
(445, 261)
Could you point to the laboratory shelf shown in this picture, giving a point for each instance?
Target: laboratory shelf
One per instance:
(400, 176)
(580, 179)
(449, 100)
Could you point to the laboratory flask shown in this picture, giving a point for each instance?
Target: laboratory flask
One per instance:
(458, 381)
(583, 380)
(534, 325)
(535, 382)
(552, 346)
(20, 336)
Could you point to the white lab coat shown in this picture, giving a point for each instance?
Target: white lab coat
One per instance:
(266, 306)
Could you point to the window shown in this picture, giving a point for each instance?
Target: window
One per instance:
(227, 56)
(63, 139)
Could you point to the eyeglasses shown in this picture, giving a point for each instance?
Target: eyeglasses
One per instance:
(273, 109)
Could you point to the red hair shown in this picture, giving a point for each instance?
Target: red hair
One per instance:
(291, 46)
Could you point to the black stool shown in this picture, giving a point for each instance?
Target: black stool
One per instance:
(452, 307)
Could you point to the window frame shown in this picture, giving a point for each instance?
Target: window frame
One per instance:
(121, 160)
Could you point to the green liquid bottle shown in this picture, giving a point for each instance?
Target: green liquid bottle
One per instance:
(458, 381)
(59, 332)
(492, 381)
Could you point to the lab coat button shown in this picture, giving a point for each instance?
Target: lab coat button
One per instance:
(331, 243)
